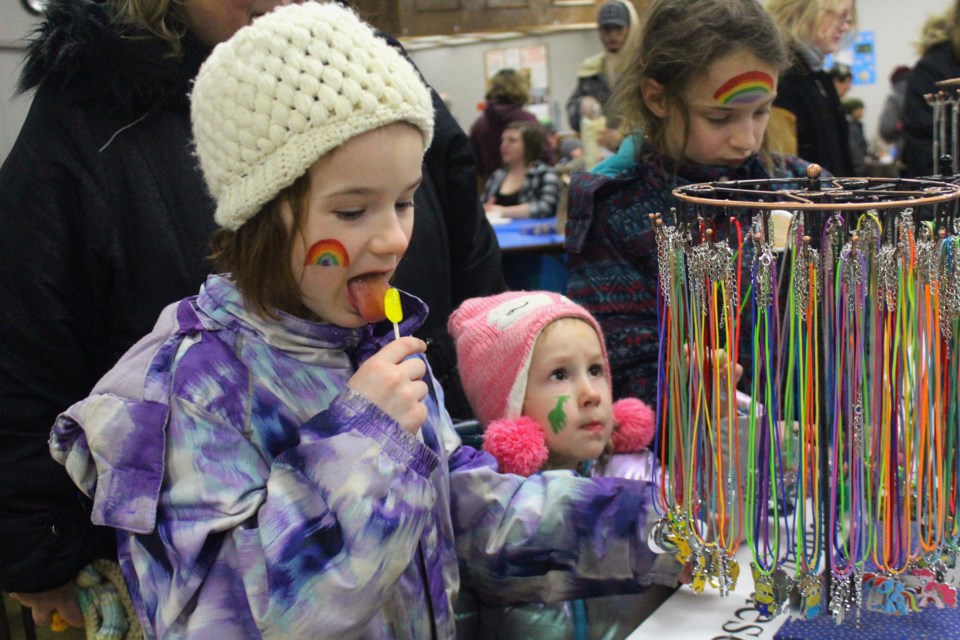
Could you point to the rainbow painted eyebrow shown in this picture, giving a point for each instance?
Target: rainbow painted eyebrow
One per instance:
(744, 88)
(328, 253)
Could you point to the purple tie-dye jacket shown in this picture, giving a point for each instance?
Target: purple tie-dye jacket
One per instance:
(256, 496)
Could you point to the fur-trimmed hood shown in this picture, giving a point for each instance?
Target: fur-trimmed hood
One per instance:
(90, 57)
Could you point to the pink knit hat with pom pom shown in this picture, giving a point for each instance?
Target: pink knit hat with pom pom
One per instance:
(495, 336)
(520, 445)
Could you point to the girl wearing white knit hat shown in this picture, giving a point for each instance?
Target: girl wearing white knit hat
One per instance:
(275, 462)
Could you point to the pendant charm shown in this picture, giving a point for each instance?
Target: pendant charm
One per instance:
(657, 540)
(951, 572)
(783, 586)
(733, 571)
(839, 597)
(701, 571)
(928, 588)
(897, 599)
(676, 535)
(763, 597)
(811, 591)
(725, 572)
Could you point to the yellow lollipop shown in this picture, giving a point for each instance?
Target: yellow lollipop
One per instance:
(393, 309)
(57, 623)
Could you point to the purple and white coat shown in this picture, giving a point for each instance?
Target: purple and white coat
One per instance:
(255, 495)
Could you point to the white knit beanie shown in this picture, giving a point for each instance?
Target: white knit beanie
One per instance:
(282, 92)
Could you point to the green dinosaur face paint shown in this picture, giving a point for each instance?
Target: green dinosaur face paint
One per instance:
(557, 416)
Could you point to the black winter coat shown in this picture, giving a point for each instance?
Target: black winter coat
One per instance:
(105, 221)
(453, 254)
(937, 64)
(822, 132)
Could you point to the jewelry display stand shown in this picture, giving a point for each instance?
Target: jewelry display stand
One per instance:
(841, 298)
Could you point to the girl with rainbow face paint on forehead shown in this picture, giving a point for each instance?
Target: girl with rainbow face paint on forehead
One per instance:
(701, 89)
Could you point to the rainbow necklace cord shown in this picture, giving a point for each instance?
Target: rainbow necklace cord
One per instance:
(801, 440)
(852, 431)
(701, 479)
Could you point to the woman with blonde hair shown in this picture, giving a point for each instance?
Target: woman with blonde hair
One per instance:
(939, 49)
(808, 117)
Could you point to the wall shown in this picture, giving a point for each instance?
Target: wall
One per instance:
(15, 24)
(458, 70)
(896, 25)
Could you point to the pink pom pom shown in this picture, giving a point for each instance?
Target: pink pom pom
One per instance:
(518, 445)
(636, 423)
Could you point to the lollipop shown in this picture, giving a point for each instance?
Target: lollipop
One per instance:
(57, 622)
(393, 309)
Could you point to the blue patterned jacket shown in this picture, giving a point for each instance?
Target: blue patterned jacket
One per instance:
(612, 254)
(254, 495)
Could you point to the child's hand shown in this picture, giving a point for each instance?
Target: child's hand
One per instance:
(393, 381)
(43, 604)
(610, 138)
(722, 360)
(491, 208)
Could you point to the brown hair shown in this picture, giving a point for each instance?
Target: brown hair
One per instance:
(258, 254)
(940, 28)
(532, 135)
(680, 41)
(509, 86)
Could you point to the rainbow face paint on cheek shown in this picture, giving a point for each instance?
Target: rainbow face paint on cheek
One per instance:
(327, 253)
(744, 88)
(557, 416)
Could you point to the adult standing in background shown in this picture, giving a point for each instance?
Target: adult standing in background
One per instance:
(453, 253)
(939, 60)
(106, 219)
(102, 227)
(508, 93)
(808, 118)
(619, 28)
(891, 116)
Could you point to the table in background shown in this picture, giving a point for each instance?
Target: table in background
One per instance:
(532, 254)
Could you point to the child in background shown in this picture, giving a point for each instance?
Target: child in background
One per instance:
(859, 148)
(701, 90)
(547, 406)
(275, 463)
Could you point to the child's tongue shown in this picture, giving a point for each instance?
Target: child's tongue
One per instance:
(367, 293)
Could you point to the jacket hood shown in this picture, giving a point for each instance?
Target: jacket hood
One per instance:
(502, 112)
(88, 57)
(592, 66)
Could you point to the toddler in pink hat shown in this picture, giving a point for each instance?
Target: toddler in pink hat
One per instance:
(535, 370)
